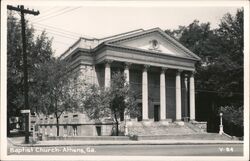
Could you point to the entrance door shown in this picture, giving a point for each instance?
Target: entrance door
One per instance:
(156, 112)
(99, 130)
(139, 117)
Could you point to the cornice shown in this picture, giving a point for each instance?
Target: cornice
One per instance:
(120, 58)
(152, 53)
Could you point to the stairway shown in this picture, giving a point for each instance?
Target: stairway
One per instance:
(156, 128)
(173, 131)
(197, 136)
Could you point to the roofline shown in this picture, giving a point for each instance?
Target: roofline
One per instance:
(92, 39)
(122, 34)
(132, 35)
(180, 45)
(69, 48)
(107, 42)
(175, 42)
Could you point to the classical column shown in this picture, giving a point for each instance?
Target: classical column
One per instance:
(107, 73)
(178, 95)
(192, 97)
(94, 75)
(145, 93)
(126, 73)
(185, 95)
(163, 94)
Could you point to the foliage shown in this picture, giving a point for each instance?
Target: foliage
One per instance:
(51, 92)
(221, 51)
(110, 102)
(233, 114)
(219, 77)
(38, 52)
(96, 102)
(57, 90)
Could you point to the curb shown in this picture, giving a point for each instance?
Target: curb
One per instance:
(190, 142)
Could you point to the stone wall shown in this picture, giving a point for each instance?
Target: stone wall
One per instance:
(73, 124)
(100, 73)
(202, 126)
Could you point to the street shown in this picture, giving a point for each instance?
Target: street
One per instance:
(134, 150)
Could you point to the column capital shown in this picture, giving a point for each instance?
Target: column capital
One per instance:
(145, 67)
(186, 78)
(127, 65)
(192, 73)
(164, 69)
(179, 71)
(186, 75)
(108, 61)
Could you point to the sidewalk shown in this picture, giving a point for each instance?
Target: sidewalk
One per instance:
(19, 142)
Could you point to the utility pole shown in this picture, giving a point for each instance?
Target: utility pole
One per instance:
(25, 69)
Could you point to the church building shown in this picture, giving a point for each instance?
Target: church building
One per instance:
(157, 67)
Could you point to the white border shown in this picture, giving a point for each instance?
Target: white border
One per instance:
(127, 4)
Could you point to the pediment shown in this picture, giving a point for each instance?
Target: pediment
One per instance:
(155, 41)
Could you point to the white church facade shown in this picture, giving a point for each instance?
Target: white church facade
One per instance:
(157, 67)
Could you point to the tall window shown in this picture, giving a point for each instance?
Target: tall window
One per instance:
(74, 130)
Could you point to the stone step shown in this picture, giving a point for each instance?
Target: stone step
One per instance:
(204, 136)
(88, 138)
(158, 129)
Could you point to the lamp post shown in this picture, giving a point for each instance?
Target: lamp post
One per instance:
(221, 125)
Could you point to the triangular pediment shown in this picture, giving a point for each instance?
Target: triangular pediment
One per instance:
(155, 41)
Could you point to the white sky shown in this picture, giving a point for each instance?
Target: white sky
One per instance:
(96, 21)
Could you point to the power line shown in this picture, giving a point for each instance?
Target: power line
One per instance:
(48, 26)
(58, 34)
(58, 31)
(61, 30)
(50, 9)
(49, 13)
(46, 18)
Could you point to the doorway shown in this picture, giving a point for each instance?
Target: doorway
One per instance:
(139, 116)
(99, 130)
(156, 112)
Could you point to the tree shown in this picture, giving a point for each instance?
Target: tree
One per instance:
(219, 77)
(38, 51)
(57, 89)
(110, 102)
(233, 115)
(231, 34)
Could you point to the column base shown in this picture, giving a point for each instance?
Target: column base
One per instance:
(147, 122)
(179, 122)
(165, 121)
(127, 120)
(192, 121)
(133, 120)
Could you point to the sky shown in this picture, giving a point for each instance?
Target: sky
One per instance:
(67, 23)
